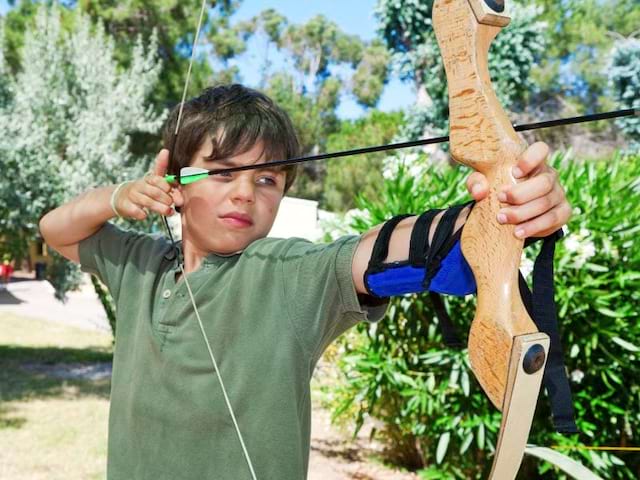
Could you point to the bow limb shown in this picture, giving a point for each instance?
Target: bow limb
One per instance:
(506, 351)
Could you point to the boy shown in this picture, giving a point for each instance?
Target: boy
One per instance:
(269, 307)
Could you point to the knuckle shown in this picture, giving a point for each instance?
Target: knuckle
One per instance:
(155, 194)
(513, 197)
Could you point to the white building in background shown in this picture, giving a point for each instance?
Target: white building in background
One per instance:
(296, 217)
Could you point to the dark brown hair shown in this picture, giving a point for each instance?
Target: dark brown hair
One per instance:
(235, 118)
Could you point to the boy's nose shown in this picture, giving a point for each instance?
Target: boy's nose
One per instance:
(243, 190)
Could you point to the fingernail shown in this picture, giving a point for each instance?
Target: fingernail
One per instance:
(502, 196)
(476, 189)
(502, 218)
(519, 233)
(517, 173)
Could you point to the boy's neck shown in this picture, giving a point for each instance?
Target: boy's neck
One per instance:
(192, 256)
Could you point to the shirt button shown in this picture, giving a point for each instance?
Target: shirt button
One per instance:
(166, 293)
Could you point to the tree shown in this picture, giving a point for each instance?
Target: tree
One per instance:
(624, 83)
(170, 24)
(69, 122)
(406, 27)
(581, 33)
(5, 92)
(322, 64)
(349, 177)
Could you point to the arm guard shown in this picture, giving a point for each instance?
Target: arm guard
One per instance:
(437, 267)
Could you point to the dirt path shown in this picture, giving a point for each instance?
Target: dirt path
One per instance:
(336, 456)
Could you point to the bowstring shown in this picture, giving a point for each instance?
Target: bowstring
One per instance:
(180, 258)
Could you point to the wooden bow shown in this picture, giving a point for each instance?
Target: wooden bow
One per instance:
(506, 350)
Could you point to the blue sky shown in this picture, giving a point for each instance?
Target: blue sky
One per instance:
(352, 16)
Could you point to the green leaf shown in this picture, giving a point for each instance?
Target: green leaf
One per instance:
(626, 345)
(443, 445)
(466, 442)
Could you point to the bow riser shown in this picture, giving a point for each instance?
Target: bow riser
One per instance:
(483, 138)
(506, 351)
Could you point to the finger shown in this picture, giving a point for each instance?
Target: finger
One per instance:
(157, 189)
(533, 158)
(145, 201)
(162, 163)
(157, 182)
(129, 209)
(519, 214)
(545, 224)
(138, 213)
(535, 187)
(478, 186)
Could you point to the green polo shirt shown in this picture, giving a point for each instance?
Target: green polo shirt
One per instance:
(268, 313)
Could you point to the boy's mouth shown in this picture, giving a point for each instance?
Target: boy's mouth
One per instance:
(237, 219)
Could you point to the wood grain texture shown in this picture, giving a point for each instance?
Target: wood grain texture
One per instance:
(483, 138)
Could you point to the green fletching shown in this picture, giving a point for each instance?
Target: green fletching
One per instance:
(187, 179)
(193, 178)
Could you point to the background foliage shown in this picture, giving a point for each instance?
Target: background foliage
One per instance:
(54, 143)
(624, 82)
(432, 413)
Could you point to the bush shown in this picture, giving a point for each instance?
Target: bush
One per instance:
(624, 83)
(434, 416)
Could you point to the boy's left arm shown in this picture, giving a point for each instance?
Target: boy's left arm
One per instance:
(537, 206)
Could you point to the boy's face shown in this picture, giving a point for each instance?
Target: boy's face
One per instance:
(225, 213)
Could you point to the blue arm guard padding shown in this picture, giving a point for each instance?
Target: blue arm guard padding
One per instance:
(454, 278)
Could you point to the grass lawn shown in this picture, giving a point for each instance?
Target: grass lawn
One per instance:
(51, 427)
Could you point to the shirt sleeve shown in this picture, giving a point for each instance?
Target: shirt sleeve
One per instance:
(111, 252)
(320, 294)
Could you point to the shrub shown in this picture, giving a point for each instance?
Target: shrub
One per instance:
(433, 413)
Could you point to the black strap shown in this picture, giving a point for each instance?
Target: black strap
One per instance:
(441, 244)
(381, 246)
(419, 245)
(449, 333)
(541, 306)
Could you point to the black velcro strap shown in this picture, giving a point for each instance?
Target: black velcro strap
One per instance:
(441, 244)
(450, 336)
(541, 306)
(419, 245)
(381, 245)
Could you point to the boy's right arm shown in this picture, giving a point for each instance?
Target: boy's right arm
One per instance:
(65, 227)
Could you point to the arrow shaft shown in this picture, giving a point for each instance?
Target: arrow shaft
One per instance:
(422, 142)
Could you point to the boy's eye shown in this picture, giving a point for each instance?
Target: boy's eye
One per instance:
(223, 174)
(267, 180)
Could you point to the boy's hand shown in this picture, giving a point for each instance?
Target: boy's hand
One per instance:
(538, 205)
(150, 193)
